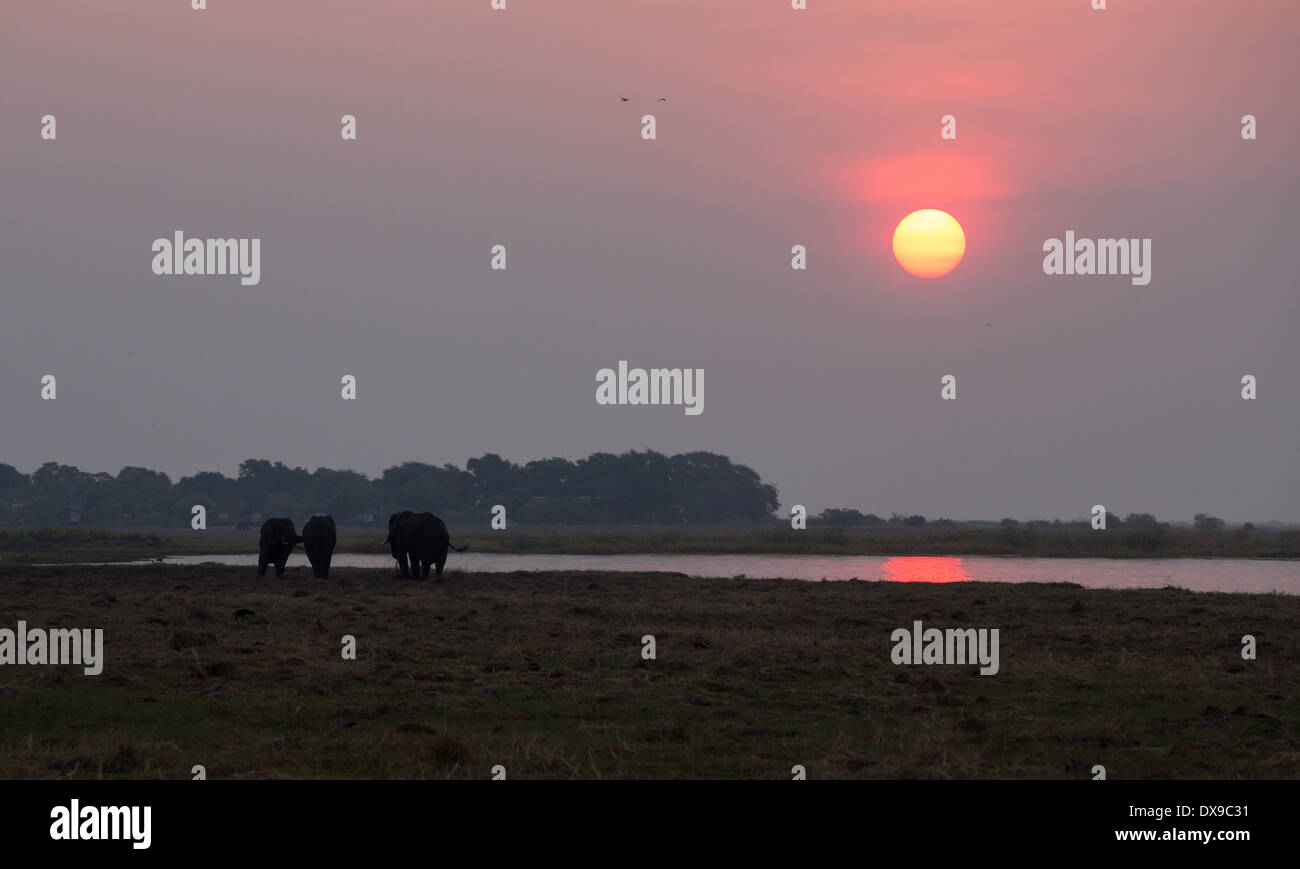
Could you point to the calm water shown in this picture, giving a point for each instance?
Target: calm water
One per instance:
(1197, 574)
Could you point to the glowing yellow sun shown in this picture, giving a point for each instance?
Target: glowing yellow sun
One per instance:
(929, 243)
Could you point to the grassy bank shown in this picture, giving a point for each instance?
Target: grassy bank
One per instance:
(1069, 543)
(78, 544)
(543, 674)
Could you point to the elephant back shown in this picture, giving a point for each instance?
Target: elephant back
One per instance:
(319, 528)
(275, 528)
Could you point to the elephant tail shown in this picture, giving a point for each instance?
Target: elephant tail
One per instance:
(458, 548)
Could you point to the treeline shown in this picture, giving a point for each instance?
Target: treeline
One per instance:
(632, 488)
(848, 518)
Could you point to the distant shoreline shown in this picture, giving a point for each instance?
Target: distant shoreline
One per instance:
(24, 546)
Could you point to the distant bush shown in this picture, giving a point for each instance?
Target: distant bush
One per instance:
(848, 517)
(1206, 522)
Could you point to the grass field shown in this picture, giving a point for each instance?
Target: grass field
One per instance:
(41, 545)
(543, 674)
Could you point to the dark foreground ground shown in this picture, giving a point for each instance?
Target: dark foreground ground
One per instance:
(543, 674)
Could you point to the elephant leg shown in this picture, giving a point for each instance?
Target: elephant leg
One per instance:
(401, 564)
(439, 564)
(262, 562)
(425, 565)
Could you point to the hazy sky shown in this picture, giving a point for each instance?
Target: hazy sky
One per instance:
(818, 127)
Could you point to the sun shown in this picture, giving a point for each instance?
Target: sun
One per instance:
(929, 243)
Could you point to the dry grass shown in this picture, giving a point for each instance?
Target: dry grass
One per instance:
(542, 673)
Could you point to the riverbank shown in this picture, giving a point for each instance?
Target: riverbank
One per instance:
(81, 544)
(544, 674)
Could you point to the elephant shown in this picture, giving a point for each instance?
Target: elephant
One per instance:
(318, 538)
(421, 537)
(278, 540)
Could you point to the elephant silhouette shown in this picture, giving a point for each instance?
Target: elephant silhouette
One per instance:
(318, 539)
(277, 541)
(423, 539)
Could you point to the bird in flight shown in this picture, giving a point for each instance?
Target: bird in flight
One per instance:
(662, 100)
(622, 99)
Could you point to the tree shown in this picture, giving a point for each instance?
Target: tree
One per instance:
(64, 484)
(11, 479)
(259, 478)
(1206, 522)
(841, 516)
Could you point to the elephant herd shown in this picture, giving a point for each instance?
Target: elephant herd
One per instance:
(419, 541)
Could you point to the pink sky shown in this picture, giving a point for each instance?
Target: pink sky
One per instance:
(782, 127)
